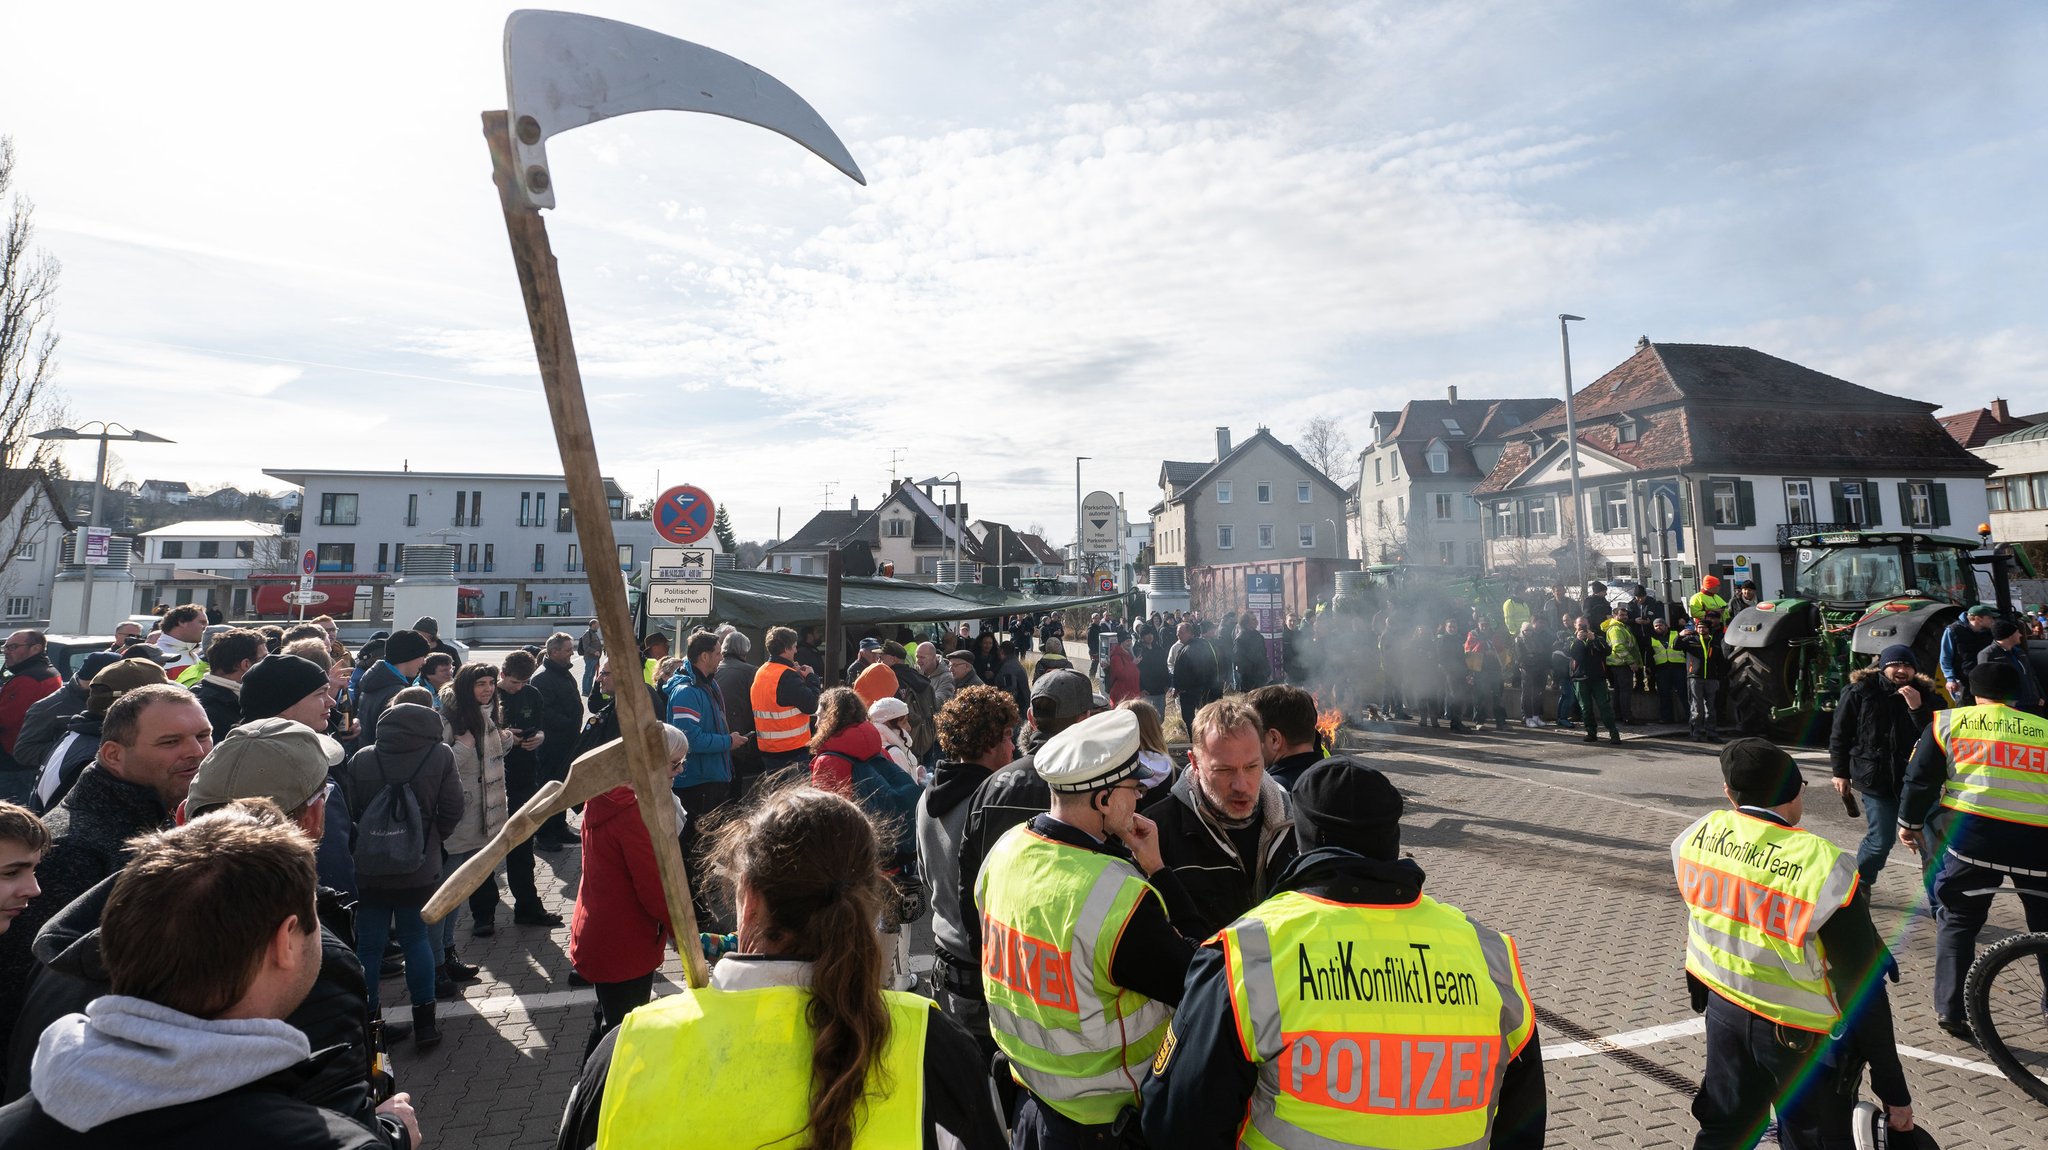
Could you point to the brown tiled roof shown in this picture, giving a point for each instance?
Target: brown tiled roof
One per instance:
(1976, 428)
(1422, 421)
(1711, 375)
(1706, 406)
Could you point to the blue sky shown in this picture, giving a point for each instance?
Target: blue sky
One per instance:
(1089, 229)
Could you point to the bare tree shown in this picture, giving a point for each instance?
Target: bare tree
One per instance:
(28, 360)
(1326, 446)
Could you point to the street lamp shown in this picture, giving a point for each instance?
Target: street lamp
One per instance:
(106, 432)
(959, 501)
(1077, 515)
(1571, 435)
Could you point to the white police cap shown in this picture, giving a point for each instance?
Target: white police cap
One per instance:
(1095, 753)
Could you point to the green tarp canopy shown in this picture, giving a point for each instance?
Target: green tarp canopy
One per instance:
(759, 599)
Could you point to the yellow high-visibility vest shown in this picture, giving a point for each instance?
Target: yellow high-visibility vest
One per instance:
(742, 1060)
(1373, 1025)
(1050, 917)
(1998, 763)
(1758, 894)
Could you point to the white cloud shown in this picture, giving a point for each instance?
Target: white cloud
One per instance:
(1089, 229)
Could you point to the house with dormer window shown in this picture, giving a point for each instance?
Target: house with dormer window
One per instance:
(1413, 502)
(1699, 458)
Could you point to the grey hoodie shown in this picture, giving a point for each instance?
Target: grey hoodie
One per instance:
(127, 1056)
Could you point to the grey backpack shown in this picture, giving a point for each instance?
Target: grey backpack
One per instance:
(391, 837)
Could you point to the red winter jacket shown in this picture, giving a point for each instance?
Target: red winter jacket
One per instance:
(1123, 675)
(27, 682)
(621, 919)
(859, 743)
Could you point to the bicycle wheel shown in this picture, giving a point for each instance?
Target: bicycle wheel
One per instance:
(2007, 998)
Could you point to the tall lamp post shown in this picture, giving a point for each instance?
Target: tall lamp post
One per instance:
(952, 479)
(106, 432)
(1571, 436)
(1077, 516)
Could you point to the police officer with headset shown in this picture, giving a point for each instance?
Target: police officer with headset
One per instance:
(1078, 962)
(1782, 956)
(1350, 1009)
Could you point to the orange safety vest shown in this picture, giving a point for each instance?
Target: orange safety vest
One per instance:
(777, 728)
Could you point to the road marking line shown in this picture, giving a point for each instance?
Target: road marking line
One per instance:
(1654, 1034)
(501, 1005)
(1626, 1041)
(1951, 1060)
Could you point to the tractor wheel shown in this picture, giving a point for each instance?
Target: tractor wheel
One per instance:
(1761, 680)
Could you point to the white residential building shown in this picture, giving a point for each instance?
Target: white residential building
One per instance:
(514, 534)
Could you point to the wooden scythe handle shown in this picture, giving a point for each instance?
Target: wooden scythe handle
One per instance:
(547, 313)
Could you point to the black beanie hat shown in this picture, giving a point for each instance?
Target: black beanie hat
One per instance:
(405, 646)
(276, 682)
(1760, 773)
(1341, 802)
(2000, 681)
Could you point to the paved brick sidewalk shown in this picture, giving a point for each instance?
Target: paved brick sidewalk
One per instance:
(1565, 846)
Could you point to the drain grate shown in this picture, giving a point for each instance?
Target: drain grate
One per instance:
(1654, 1071)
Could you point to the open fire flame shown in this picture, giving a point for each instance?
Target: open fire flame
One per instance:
(1329, 722)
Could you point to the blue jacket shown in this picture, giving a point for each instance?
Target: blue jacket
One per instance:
(697, 708)
(1960, 646)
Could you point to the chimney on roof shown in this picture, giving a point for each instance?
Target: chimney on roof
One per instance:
(1451, 392)
(853, 503)
(1642, 341)
(1222, 442)
(1999, 412)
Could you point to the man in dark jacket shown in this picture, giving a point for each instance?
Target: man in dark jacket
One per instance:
(2009, 646)
(404, 653)
(1289, 741)
(1961, 642)
(735, 680)
(520, 716)
(1192, 666)
(288, 764)
(80, 742)
(809, 653)
(974, 732)
(44, 725)
(1155, 677)
(1253, 662)
(1226, 830)
(1877, 722)
(154, 740)
(220, 691)
(206, 1059)
(1203, 1089)
(30, 676)
(561, 717)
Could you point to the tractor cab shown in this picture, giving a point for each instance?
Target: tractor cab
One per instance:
(1846, 570)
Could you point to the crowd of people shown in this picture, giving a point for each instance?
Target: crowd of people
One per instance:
(216, 854)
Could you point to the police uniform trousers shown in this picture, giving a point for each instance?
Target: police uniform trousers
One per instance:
(1755, 1065)
(1036, 1126)
(1960, 915)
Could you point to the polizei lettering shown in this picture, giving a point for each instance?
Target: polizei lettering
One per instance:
(1338, 976)
(1760, 855)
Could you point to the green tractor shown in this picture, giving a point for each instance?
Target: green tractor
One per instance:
(1853, 594)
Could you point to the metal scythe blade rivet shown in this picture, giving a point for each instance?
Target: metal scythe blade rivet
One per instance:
(537, 178)
(529, 131)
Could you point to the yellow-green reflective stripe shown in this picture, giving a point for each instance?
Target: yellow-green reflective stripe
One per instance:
(1841, 882)
(1066, 1088)
(1514, 1014)
(1052, 1040)
(1261, 1000)
(791, 713)
(1993, 804)
(1807, 970)
(1790, 998)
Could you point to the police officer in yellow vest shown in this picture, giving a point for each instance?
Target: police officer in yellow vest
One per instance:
(1781, 954)
(1079, 964)
(794, 1043)
(1976, 791)
(1350, 1009)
